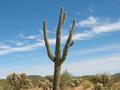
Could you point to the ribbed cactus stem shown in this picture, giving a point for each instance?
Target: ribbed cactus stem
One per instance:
(68, 42)
(58, 36)
(64, 17)
(58, 59)
(46, 41)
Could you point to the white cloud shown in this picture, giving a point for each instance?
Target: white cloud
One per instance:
(19, 43)
(109, 47)
(112, 27)
(109, 64)
(30, 37)
(7, 49)
(3, 46)
(90, 21)
(96, 27)
(21, 48)
(83, 36)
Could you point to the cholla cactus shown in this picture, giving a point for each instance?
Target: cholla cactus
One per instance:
(45, 84)
(102, 80)
(58, 59)
(86, 84)
(74, 82)
(98, 86)
(19, 81)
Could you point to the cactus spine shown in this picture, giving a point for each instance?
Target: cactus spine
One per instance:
(58, 59)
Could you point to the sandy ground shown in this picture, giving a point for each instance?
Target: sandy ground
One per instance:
(36, 89)
(81, 88)
(76, 88)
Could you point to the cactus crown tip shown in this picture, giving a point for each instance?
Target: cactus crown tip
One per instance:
(62, 8)
(74, 19)
(44, 18)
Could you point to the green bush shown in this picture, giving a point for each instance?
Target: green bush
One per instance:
(65, 78)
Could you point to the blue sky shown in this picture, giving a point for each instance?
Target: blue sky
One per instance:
(96, 46)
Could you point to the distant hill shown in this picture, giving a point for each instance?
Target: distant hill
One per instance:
(117, 75)
(35, 77)
(50, 76)
(40, 77)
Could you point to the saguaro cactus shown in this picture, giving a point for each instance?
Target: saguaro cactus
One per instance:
(58, 59)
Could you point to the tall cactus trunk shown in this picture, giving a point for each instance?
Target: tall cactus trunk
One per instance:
(56, 80)
(59, 57)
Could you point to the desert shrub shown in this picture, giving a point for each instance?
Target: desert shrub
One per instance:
(65, 78)
(4, 85)
(98, 86)
(86, 84)
(45, 84)
(7, 87)
(74, 82)
(49, 77)
(35, 83)
(104, 79)
(18, 81)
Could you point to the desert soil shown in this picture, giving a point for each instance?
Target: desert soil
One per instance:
(76, 88)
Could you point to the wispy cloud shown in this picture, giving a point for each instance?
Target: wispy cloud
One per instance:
(5, 49)
(95, 27)
(19, 43)
(90, 21)
(110, 47)
(93, 66)
(30, 37)
(4, 46)
(112, 27)
(21, 48)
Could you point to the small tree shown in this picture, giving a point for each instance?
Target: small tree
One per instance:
(19, 81)
(58, 59)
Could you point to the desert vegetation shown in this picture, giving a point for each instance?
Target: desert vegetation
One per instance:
(68, 82)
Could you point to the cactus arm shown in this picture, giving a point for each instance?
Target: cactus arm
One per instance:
(68, 43)
(64, 17)
(58, 36)
(49, 52)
